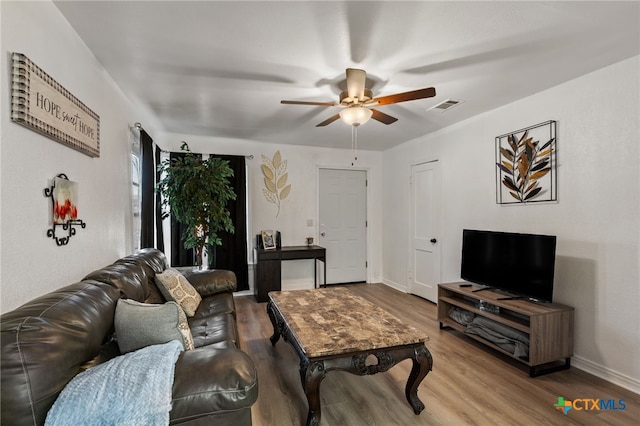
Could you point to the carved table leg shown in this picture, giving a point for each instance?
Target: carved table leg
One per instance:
(276, 328)
(422, 363)
(312, 375)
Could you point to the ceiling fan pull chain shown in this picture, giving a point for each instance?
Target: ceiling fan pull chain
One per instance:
(354, 143)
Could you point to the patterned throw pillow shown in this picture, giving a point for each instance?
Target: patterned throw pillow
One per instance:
(142, 324)
(174, 286)
(183, 328)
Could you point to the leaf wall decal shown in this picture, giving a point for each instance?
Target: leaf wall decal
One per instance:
(268, 173)
(285, 191)
(539, 166)
(540, 173)
(275, 179)
(270, 185)
(509, 183)
(548, 143)
(523, 161)
(507, 154)
(276, 160)
(545, 152)
(270, 196)
(282, 181)
(505, 169)
(532, 194)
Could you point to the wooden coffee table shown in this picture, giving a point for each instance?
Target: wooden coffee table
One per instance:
(335, 329)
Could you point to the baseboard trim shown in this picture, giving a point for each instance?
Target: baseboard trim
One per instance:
(607, 374)
(395, 285)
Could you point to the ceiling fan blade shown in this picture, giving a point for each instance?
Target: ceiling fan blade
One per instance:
(356, 79)
(406, 96)
(328, 120)
(327, 104)
(382, 117)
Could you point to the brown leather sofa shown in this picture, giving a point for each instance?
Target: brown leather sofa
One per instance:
(49, 340)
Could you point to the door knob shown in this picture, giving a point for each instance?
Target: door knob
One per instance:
(322, 234)
(433, 241)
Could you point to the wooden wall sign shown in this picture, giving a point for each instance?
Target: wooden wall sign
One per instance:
(43, 105)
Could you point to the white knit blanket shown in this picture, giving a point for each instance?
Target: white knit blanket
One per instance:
(129, 390)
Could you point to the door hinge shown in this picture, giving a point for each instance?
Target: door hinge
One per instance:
(366, 182)
(366, 223)
(366, 264)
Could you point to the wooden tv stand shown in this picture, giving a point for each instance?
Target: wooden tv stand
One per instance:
(549, 325)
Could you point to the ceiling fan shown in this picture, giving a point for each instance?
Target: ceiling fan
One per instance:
(358, 101)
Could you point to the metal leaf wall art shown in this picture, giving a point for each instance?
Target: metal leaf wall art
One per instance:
(275, 174)
(526, 166)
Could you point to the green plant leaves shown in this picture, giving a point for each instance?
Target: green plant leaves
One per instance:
(195, 192)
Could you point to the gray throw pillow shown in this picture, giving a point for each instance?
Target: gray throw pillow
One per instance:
(139, 325)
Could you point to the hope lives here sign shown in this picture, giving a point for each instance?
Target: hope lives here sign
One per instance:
(42, 104)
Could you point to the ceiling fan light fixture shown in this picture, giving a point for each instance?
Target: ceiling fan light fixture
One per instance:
(356, 116)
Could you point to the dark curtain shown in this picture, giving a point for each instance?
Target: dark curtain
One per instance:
(147, 212)
(151, 213)
(159, 230)
(232, 254)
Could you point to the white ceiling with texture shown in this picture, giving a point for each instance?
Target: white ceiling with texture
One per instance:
(220, 69)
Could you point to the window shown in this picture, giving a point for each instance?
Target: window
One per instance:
(136, 195)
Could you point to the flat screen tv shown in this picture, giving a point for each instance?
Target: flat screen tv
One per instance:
(521, 265)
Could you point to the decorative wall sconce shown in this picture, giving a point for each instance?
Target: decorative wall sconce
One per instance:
(64, 203)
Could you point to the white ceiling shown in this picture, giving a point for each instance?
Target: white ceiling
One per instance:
(221, 68)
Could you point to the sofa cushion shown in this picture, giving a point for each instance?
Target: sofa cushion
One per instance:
(210, 281)
(210, 330)
(153, 261)
(211, 381)
(129, 278)
(174, 286)
(222, 303)
(139, 325)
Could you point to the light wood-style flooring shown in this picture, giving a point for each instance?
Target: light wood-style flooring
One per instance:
(469, 385)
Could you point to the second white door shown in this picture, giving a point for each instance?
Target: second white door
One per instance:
(343, 224)
(424, 266)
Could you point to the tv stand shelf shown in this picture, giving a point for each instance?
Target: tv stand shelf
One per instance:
(549, 325)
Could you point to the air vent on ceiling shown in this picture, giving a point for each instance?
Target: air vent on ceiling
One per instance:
(444, 105)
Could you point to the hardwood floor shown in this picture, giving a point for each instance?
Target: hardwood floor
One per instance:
(469, 385)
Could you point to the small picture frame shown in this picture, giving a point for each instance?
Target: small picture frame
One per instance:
(268, 241)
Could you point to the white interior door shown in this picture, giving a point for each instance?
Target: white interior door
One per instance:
(343, 224)
(424, 267)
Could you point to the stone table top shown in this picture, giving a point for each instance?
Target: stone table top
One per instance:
(332, 321)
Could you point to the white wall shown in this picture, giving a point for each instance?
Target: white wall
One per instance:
(31, 264)
(596, 219)
(303, 164)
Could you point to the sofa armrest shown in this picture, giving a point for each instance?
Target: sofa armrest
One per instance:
(209, 380)
(208, 282)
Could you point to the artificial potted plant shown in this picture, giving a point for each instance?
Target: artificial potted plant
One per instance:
(196, 192)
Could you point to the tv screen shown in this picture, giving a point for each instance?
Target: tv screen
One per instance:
(518, 264)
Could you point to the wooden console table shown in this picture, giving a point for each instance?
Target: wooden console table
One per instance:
(549, 326)
(268, 267)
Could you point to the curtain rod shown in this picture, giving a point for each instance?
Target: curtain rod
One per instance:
(137, 125)
(248, 157)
